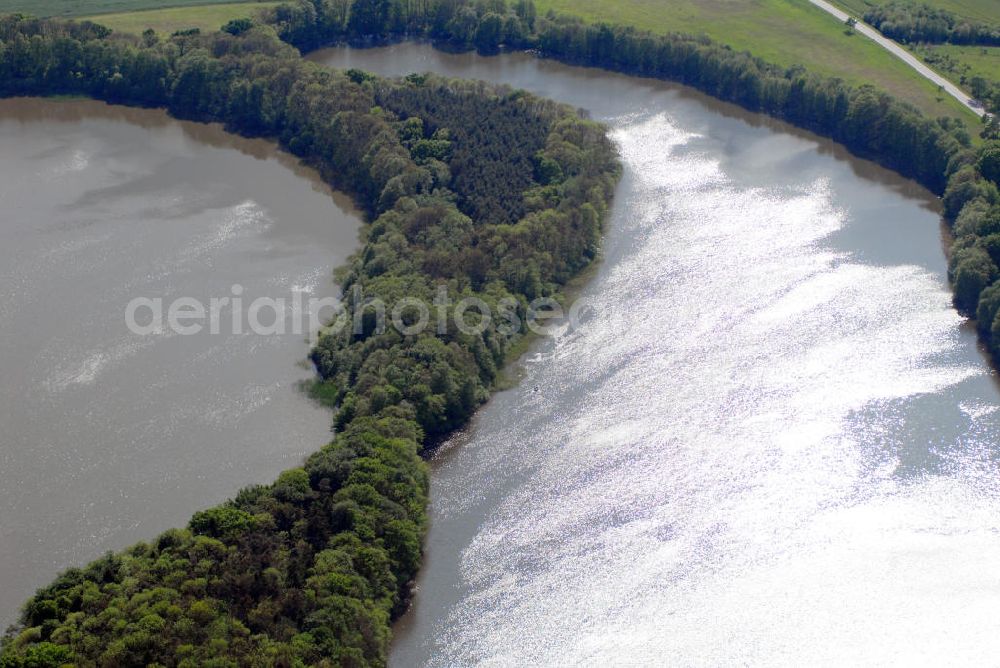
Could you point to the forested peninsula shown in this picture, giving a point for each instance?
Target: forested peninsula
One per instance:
(311, 569)
(488, 191)
(937, 153)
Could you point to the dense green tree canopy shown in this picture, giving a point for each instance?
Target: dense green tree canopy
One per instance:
(989, 162)
(907, 21)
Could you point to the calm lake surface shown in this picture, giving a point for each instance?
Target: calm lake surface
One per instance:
(772, 443)
(107, 437)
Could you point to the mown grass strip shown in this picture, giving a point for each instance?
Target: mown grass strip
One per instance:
(167, 21)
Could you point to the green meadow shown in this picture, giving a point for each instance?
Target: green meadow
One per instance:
(168, 21)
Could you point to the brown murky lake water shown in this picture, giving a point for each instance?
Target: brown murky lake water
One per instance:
(108, 438)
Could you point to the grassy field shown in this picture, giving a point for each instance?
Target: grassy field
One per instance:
(972, 61)
(167, 21)
(786, 32)
(44, 8)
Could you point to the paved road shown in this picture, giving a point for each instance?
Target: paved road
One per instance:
(904, 55)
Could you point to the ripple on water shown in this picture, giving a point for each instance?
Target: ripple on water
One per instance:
(697, 480)
(111, 437)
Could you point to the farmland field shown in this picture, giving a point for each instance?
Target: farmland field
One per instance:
(167, 21)
(970, 61)
(43, 8)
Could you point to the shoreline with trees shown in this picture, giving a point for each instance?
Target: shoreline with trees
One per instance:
(337, 541)
(491, 192)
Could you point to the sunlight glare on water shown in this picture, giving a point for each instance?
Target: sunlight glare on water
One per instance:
(772, 443)
(708, 474)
